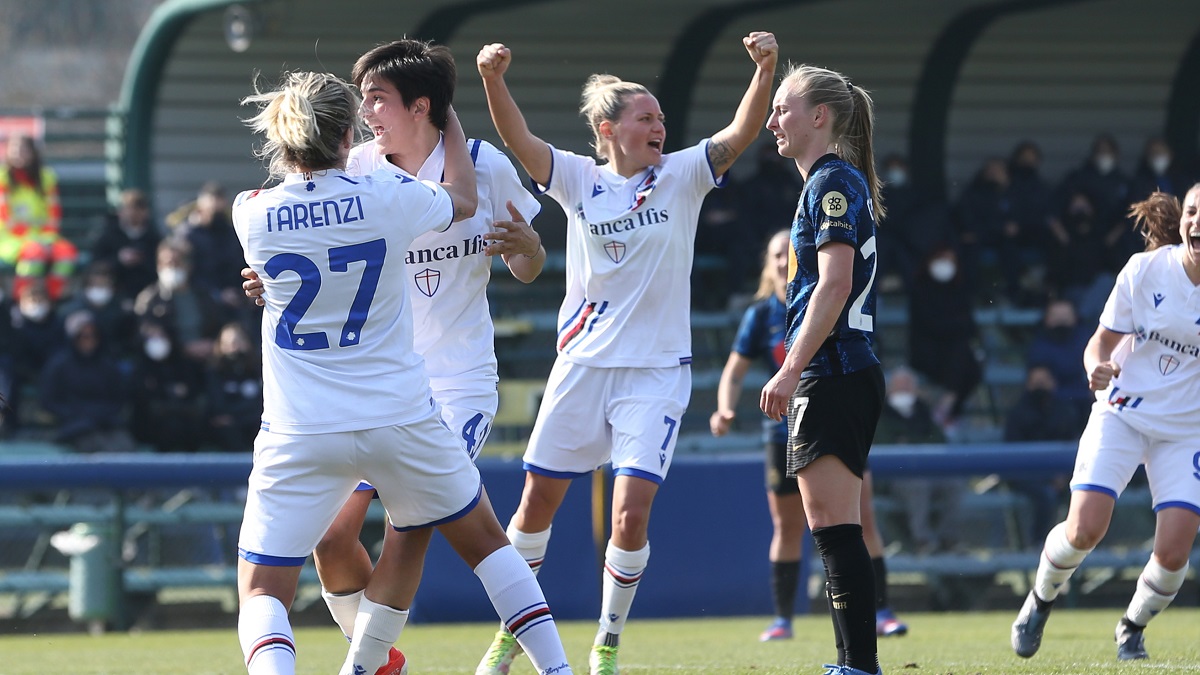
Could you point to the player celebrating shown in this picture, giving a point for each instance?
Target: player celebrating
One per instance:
(1143, 361)
(830, 386)
(621, 380)
(345, 396)
(408, 86)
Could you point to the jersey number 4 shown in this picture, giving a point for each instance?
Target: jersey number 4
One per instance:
(287, 331)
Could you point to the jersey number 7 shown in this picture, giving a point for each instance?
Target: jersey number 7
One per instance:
(287, 334)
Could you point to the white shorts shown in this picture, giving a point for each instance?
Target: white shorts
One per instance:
(590, 416)
(469, 413)
(300, 481)
(1110, 451)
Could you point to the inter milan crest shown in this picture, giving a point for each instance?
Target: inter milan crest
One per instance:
(615, 251)
(428, 281)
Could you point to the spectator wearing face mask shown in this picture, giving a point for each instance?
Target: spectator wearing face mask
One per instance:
(128, 241)
(37, 335)
(916, 223)
(114, 321)
(1058, 347)
(1077, 258)
(168, 393)
(83, 387)
(930, 505)
(1157, 172)
(992, 243)
(234, 390)
(207, 227)
(1101, 179)
(190, 316)
(942, 332)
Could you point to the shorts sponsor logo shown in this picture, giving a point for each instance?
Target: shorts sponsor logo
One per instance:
(1167, 364)
(834, 204)
(428, 281)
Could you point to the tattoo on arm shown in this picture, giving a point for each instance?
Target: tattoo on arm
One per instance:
(721, 155)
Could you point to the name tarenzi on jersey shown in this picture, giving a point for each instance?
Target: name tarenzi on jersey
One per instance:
(317, 213)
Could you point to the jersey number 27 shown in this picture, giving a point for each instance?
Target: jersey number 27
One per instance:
(287, 331)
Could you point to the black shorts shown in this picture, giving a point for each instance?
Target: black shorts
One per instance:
(834, 415)
(778, 483)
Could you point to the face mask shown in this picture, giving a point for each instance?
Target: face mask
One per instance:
(158, 348)
(942, 270)
(902, 401)
(172, 278)
(98, 295)
(36, 312)
(1105, 163)
(1159, 164)
(897, 177)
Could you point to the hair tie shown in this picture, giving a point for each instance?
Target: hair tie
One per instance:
(849, 86)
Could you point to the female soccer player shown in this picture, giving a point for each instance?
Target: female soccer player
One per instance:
(408, 86)
(345, 396)
(1143, 361)
(830, 386)
(621, 380)
(760, 335)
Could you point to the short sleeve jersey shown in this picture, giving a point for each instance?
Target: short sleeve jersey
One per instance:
(1158, 306)
(630, 247)
(448, 272)
(760, 336)
(835, 206)
(337, 334)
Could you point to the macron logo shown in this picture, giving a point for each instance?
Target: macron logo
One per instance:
(597, 189)
(1158, 298)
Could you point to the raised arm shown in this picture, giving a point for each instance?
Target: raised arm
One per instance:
(727, 144)
(531, 151)
(459, 176)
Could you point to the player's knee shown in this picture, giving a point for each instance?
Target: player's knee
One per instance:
(1173, 559)
(631, 519)
(1086, 534)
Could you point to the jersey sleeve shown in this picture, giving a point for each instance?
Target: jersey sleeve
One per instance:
(1118, 309)
(838, 208)
(749, 342)
(694, 166)
(567, 171)
(506, 184)
(426, 205)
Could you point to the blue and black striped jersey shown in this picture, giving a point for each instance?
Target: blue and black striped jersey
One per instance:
(835, 206)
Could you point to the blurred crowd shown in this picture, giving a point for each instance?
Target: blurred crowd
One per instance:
(150, 342)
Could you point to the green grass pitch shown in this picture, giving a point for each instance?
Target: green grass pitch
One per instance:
(1077, 641)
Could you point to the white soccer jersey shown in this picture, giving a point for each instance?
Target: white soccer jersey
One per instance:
(1158, 390)
(629, 258)
(337, 337)
(448, 272)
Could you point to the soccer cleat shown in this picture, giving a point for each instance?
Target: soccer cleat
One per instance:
(780, 629)
(602, 660)
(396, 664)
(1131, 642)
(847, 670)
(500, 655)
(1027, 629)
(887, 625)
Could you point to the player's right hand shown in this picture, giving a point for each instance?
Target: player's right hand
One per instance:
(720, 421)
(253, 286)
(493, 60)
(1102, 375)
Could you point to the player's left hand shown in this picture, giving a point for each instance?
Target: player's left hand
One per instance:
(763, 48)
(777, 393)
(513, 236)
(253, 286)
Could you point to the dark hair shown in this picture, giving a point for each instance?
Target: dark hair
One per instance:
(417, 69)
(34, 170)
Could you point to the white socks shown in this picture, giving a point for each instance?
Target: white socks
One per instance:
(376, 629)
(1156, 588)
(532, 547)
(266, 637)
(1059, 561)
(518, 599)
(343, 609)
(622, 573)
